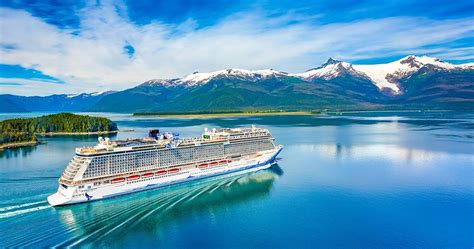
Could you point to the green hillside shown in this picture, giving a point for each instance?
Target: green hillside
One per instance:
(25, 129)
(223, 94)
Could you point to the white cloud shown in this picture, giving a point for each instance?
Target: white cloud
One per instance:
(94, 59)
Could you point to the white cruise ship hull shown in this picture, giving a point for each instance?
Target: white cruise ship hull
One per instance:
(72, 195)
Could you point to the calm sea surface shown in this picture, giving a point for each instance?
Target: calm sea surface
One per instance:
(397, 180)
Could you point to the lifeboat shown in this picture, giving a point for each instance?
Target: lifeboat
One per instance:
(223, 161)
(161, 172)
(214, 164)
(175, 170)
(203, 165)
(148, 175)
(130, 178)
(117, 180)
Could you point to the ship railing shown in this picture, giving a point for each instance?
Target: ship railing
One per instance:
(249, 136)
(71, 167)
(89, 150)
(67, 177)
(238, 130)
(75, 164)
(216, 139)
(243, 133)
(79, 161)
(67, 181)
(71, 172)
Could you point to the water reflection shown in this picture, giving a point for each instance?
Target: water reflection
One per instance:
(152, 211)
(17, 152)
(393, 153)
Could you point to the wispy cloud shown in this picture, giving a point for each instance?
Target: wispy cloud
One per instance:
(108, 51)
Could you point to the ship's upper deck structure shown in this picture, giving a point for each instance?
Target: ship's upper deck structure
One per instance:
(172, 140)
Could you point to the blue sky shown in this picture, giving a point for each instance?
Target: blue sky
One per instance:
(49, 47)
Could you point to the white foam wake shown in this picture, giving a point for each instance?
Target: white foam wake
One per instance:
(20, 206)
(22, 211)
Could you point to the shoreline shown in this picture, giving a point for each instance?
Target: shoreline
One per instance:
(34, 143)
(18, 145)
(230, 114)
(80, 133)
(282, 113)
(386, 111)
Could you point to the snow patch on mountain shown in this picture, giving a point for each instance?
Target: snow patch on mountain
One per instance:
(196, 78)
(387, 75)
(70, 96)
(252, 75)
(93, 94)
(163, 82)
(467, 66)
(329, 70)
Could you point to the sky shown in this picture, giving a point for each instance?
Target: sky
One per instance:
(72, 46)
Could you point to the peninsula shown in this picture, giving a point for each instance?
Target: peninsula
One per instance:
(24, 131)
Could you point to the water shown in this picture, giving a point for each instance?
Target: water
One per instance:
(397, 180)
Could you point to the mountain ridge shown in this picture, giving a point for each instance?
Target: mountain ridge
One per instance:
(412, 80)
(377, 73)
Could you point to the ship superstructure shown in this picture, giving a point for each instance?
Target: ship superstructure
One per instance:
(114, 168)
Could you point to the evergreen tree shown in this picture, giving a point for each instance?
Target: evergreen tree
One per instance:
(24, 129)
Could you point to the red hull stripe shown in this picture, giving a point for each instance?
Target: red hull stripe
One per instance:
(118, 180)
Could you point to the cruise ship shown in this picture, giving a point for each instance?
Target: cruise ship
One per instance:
(113, 168)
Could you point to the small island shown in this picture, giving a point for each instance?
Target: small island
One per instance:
(24, 131)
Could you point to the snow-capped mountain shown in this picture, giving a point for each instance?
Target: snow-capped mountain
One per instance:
(388, 75)
(383, 76)
(56, 102)
(196, 78)
(412, 82)
(329, 70)
(242, 74)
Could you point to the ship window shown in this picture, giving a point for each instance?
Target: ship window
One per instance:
(64, 186)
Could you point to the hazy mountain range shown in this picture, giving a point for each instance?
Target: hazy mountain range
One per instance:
(411, 82)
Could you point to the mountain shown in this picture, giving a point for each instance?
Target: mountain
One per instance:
(234, 89)
(411, 82)
(57, 102)
(342, 79)
(435, 86)
(390, 75)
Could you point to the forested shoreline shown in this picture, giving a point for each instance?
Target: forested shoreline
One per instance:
(26, 129)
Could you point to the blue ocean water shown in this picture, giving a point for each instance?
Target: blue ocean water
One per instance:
(375, 180)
